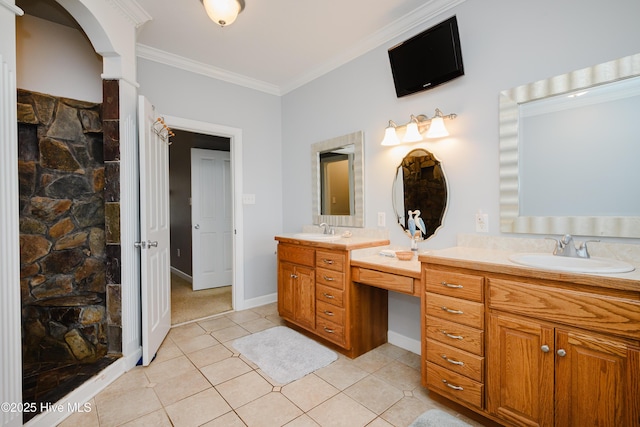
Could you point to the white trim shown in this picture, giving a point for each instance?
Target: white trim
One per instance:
(181, 274)
(80, 396)
(404, 342)
(132, 10)
(260, 301)
(235, 134)
(13, 8)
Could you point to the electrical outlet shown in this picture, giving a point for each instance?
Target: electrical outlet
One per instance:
(249, 199)
(482, 222)
(381, 219)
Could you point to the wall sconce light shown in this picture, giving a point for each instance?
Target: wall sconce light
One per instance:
(223, 12)
(415, 127)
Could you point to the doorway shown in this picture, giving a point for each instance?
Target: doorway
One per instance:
(189, 304)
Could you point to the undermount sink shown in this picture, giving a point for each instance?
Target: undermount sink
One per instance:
(571, 264)
(317, 236)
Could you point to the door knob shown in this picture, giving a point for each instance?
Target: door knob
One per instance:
(197, 226)
(140, 245)
(154, 244)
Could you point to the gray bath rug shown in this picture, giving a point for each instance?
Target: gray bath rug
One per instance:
(284, 354)
(438, 418)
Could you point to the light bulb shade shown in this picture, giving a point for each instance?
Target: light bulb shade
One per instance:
(412, 134)
(437, 128)
(390, 136)
(223, 12)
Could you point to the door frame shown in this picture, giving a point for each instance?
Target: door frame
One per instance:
(235, 144)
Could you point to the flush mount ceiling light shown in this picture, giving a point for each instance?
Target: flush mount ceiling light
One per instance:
(223, 12)
(413, 130)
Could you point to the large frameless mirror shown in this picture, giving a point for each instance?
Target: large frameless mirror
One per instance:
(337, 181)
(420, 194)
(568, 153)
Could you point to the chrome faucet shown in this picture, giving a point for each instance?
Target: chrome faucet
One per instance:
(566, 247)
(326, 228)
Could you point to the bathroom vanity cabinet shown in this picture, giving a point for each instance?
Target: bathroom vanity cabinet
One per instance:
(315, 293)
(526, 347)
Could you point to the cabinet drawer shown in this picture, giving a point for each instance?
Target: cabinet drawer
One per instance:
(392, 282)
(330, 312)
(330, 295)
(330, 330)
(456, 360)
(332, 278)
(455, 386)
(331, 260)
(296, 255)
(457, 285)
(594, 312)
(455, 335)
(455, 309)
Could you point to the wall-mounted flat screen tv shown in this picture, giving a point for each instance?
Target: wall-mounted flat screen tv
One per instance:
(428, 59)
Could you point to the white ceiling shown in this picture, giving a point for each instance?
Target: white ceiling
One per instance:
(274, 45)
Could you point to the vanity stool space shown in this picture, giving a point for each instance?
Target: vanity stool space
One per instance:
(315, 293)
(528, 347)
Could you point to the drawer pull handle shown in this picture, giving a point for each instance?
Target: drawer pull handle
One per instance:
(328, 279)
(455, 337)
(453, 362)
(330, 331)
(327, 261)
(449, 310)
(328, 313)
(455, 387)
(561, 352)
(326, 295)
(451, 285)
(294, 276)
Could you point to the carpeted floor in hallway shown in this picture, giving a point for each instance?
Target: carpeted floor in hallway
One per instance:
(188, 305)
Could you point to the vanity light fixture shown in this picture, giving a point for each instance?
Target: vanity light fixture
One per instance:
(223, 12)
(415, 127)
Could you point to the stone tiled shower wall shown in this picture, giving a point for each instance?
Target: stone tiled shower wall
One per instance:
(69, 227)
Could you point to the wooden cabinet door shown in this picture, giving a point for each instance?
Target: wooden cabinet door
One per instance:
(305, 296)
(596, 381)
(286, 300)
(520, 383)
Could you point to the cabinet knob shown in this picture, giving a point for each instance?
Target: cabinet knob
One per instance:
(294, 276)
(561, 352)
(545, 348)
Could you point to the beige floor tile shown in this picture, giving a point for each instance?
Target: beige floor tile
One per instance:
(267, 309)
(134, 379)
(177, 388)
(209, 355)
(243, 389)
(126, 406)
(400, 375)
(243, 316)
(216, 324)
(374, 393)
(392, 351)
(258, 325)
(342, 373)
(410, 359)
(309, 391)
(83, 419)
(163, 371)
(157, 418)
(379, 422)
(230, 333)
(197, 409)
(189, 330)
(230, 419)
(303, 420)
(225, 370)
(406, 411)
(271, 410)
(168, 350)
(341, 411)
(191, 344)
(372, 361)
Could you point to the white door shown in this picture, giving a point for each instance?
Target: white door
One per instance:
(211, 219)
(154, 231)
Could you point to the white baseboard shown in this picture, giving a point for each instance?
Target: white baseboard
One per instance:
(257, 302)
(78, 399)
(406, 343)
(182, 275)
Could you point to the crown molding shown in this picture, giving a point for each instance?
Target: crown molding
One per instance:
(415, 18)
(12, 7)
(132, 11)
(163, 57)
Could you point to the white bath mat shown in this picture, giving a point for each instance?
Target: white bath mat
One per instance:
(438, 418)
(284, 354)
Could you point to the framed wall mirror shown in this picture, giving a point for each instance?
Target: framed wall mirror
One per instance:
(420, 194)
(568, 153)
(337, 181)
